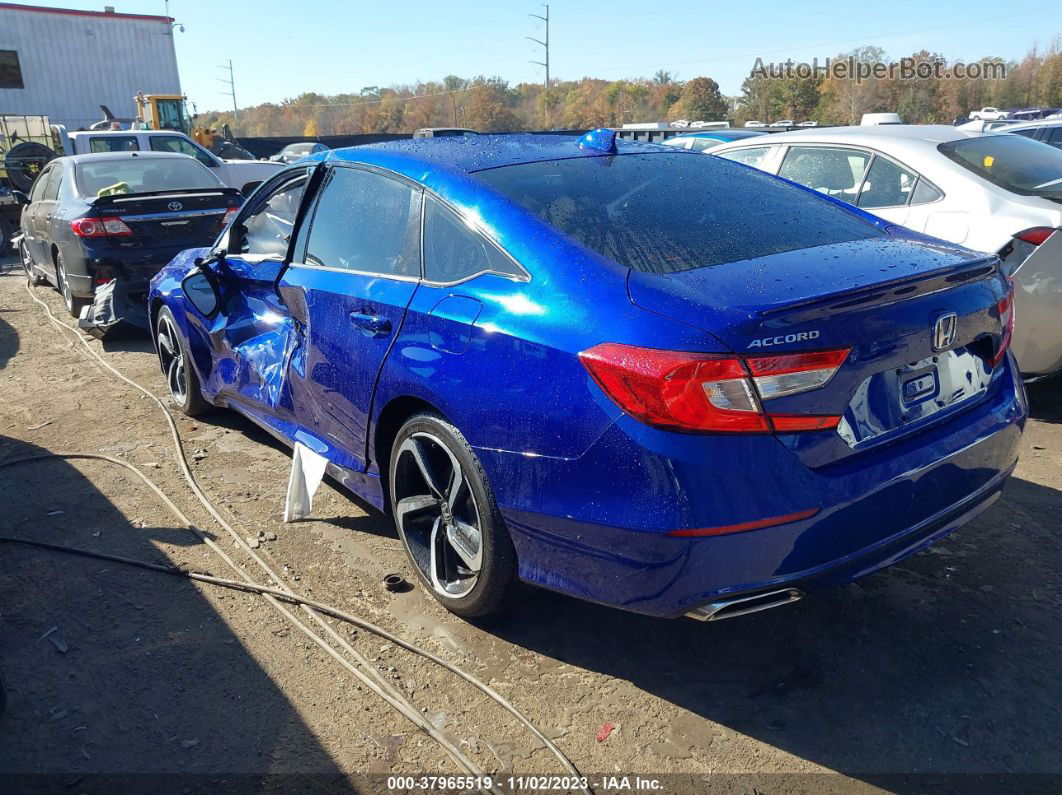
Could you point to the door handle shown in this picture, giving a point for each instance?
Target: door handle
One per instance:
(373, 325)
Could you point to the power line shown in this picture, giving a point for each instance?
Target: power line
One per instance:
(544, 45)
(231, 83)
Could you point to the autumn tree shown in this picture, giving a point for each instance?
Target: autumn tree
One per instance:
(700, 99)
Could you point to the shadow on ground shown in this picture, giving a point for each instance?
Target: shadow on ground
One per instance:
(116, 670)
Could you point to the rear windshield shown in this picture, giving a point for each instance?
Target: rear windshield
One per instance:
(664, 212)
(1014, 163)
(142, 175)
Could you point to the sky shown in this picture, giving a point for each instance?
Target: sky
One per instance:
(282, 49)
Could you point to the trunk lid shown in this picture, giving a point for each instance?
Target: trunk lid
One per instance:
(880, 297)
(170, 219)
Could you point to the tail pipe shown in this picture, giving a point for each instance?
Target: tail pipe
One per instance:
(743, 605)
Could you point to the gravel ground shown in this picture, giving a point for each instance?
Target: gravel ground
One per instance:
(946, 664)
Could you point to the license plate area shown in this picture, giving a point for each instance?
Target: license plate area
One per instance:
(898, 401)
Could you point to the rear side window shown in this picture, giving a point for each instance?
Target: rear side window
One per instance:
(1016, 164)
(366, 222)
(113, 143)
(1029, 133)
(664, 212)
(925, 193)
(886, 185)
(1054, 136)
(835, 172)
(453, 251)
(51, 187)
(753, 156)
(182, 146)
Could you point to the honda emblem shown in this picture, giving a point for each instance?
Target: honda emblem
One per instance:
(944, 331)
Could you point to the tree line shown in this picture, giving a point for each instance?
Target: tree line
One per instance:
(491, 104)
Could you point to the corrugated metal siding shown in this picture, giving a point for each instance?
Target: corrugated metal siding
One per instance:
(72, 64)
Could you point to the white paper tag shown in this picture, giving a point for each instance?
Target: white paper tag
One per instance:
(307, 470)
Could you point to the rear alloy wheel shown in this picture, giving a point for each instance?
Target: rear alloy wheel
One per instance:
(32, 276)
(73, 305)
(173, 357)
(448, 520)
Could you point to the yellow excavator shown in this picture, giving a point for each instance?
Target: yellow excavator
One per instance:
(170, 112)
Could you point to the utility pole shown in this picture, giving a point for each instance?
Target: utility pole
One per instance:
(231, 83)
(545, 46)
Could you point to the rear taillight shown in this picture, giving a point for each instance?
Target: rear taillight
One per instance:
(1005, 307)
(100, 227)
(1035, 235)
(707, 392)
(229, 215)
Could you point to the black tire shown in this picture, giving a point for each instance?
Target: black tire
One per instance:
(74, 305)
(28, 267)
(436, 523)
(175, 361)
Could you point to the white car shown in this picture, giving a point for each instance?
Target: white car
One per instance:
(244, 175)
(1048, 130)
(755, 124)
(988, 114)
(783, 123)
(1000, 193)
(808, 124)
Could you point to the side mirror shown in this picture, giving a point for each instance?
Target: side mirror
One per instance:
(201, 291)
(20, 197)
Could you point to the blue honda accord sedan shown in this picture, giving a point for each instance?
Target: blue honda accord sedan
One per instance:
(664, 382)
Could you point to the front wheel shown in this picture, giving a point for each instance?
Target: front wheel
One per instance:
(176, 365)
(448, 520)
(32, 276)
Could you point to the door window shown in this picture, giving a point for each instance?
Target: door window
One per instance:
(753, 156)
(835, 172)
(1054, 136)
(51, 187)
(182, 146)
(366, 222)
(886, 185)
(454, 252)
(113, 143)
(267, 230)
(38, 184)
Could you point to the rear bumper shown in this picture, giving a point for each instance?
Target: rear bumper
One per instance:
(594, 526)
(134, 268)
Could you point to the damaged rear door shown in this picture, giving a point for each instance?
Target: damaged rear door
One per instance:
(355, 267)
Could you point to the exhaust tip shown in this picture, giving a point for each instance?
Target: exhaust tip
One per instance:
(743, 605)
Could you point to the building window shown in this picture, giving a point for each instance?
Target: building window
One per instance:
(10, 70)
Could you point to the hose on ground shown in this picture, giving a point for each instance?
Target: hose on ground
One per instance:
(379, 685)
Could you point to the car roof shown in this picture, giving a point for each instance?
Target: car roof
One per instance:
(882, 135)
(1034, 125)
(468, 154)
(739, 132)
(96, 157)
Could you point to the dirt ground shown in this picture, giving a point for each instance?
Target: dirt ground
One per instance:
(943, 667)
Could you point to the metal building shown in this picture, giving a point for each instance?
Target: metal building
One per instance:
(64, 63)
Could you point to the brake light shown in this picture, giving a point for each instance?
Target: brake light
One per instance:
(229, 215)
(1035, 235)
(708, 392)
(100, 227)
(1005, 307)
